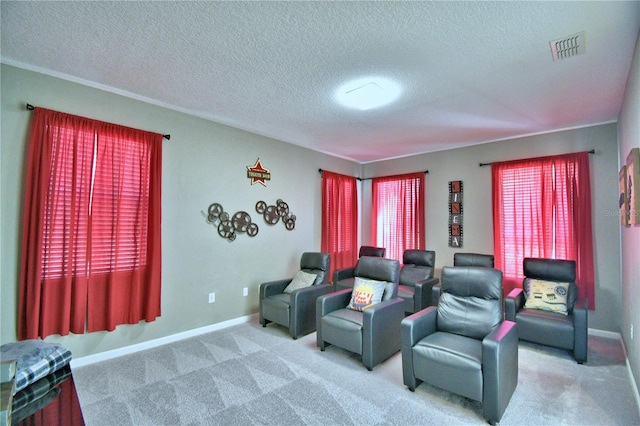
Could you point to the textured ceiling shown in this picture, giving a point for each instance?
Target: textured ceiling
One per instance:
(472, 72)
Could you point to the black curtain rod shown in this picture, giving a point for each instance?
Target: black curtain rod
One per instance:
(593, 151)
(320, 171)
(426, 172)
(31, 107)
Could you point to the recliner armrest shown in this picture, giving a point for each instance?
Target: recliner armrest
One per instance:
(423, 293)
(499, 369)
(380, 314)
(273, 287)
(332, 302)
(381, 331)
(302, 308)
(513, 303)
(436, 290)
(412, 329)
(303, 296)
(418, 325)
(580, 329)
(342, 274)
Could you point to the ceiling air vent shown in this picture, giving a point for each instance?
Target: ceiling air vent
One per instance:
(567, 47)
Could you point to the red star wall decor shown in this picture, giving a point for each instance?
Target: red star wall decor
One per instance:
(257, 173)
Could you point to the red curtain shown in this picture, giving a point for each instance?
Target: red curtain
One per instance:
(91, 236)
(339, 219)
(398, 218)
(542, 208)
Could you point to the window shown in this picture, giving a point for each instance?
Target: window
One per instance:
(398, 213)
(339, 219)
(91, 239)
(542, 208)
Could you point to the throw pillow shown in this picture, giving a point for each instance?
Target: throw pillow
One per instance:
(547, 296)
(366, 293)
(301, 280)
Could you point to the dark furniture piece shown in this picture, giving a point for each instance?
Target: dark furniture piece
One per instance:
(51, 400)
(465, 259)
(344, 278)
(296, 310)
(551, 328)
(463, 345)
(473, 259)
(371, 251)
(416, 279)
(373, 333)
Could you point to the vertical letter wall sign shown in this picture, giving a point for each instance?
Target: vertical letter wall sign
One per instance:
(455, 213)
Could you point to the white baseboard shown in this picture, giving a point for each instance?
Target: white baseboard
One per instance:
(631, 377)
(605, 334)
(103, 356)
(618, 336)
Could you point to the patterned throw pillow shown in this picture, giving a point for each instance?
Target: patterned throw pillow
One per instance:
(301, 280)
(547, 296)
(366, 293)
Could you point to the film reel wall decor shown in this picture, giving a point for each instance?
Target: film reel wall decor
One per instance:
(229, 227)
(274, 213)
(241, 223)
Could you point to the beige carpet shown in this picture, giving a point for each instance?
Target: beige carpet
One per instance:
(250, 375)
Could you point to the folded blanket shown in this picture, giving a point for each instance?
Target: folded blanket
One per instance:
(35, 359)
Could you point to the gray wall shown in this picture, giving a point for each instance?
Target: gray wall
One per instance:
(204, 162)
(463, 164)
(629, 137)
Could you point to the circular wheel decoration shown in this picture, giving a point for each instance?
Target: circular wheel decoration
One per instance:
(214, 212)
(252, 230)
(271, 215)
(261, 207)
(290, 224)
(241, 221)
(230, 226)
(282, 208)
(225, 230)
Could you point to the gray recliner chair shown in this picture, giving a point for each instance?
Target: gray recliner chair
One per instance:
(463, 345)
(373, 333)
(344, 278)
(465, 259)
(416, 279)
(550, 328)
(296, 310)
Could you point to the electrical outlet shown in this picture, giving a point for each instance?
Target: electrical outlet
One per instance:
(212, 297)
(245, 291)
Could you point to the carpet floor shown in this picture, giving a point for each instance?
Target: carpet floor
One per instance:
(250, 375)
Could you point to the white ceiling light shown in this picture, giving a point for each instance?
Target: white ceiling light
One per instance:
(367, 93)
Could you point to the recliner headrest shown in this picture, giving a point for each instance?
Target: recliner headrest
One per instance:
(317, 263)
(380, 269)
(472, 281)
(371, 251)
(473, 259)
(550, 269)
(471, 300)
(419, 257)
